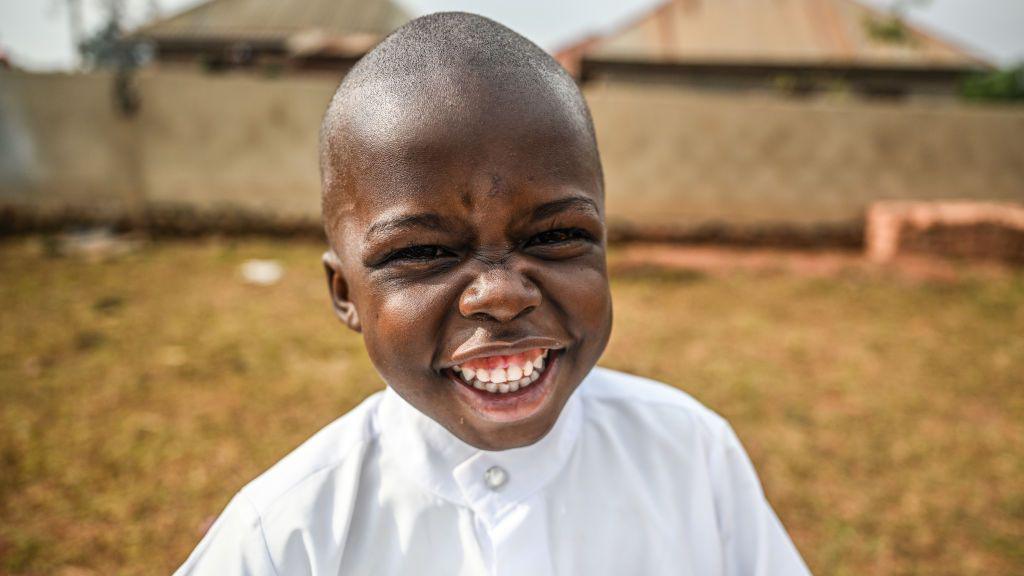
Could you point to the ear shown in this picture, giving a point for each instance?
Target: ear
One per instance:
(338, 288)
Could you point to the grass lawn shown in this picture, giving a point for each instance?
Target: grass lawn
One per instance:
(885, 415)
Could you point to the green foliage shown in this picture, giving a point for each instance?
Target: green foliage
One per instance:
(890, 29)
(104, 48)
(1001, 85)
(108, 48)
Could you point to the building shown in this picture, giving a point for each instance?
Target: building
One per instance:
(798, 47)
(272, 34)
(304, 35)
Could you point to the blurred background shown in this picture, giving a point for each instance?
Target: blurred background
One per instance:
(816, 215)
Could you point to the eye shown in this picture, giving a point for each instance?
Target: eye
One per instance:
(559, 236)
(424, 253)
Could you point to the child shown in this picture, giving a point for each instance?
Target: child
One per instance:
(464, 206)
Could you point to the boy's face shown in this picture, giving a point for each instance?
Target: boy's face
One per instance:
(469, 249)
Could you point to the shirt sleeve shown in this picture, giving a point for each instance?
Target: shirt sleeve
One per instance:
(234, 546)
(754, 541)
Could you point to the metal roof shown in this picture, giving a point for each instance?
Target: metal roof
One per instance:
(793, 32)
(277, 20)
(830, 32)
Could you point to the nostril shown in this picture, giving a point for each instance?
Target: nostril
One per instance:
(524, 312)
(500, 315)
(481, 317)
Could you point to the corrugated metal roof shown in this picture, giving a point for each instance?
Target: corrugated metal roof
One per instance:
(829, 32)
(277, 19)
(771, 31)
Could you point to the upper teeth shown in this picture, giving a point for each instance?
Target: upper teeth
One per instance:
(504, 380)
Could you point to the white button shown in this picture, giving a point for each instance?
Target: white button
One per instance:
(495, 477)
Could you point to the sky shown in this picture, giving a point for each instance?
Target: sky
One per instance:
(991, 28)
(36, 33)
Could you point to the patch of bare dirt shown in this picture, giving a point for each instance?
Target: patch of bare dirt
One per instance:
(817, 263)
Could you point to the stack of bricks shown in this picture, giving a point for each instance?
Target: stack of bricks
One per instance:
(963, 229)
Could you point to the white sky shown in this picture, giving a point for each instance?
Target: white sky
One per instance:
(991, 28)
(36, 32)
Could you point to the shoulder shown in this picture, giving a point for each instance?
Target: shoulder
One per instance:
(337, 446)
(255, 533)
(662, 428)
(614, 397)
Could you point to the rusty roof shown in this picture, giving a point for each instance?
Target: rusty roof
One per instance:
(793, 32)
(277, 20)
(829, 32)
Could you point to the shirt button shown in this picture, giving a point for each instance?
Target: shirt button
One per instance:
(495, 477)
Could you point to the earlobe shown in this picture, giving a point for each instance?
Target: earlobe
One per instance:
(338, 288)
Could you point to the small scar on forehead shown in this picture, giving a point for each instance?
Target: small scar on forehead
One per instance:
(497, 186)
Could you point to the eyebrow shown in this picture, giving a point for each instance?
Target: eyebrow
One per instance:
(570, 204)
(426, 221)
(430, 221)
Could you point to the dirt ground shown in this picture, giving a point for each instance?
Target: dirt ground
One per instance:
(882, 406)
(803, 263)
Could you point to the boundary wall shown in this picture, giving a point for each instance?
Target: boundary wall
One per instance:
(676, 162)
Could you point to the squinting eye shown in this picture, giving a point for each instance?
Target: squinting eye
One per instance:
(419, 253)
(559, 236)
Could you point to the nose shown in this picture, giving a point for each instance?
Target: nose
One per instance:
(499, 293)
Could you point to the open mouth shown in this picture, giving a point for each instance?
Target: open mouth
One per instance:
(504, 374)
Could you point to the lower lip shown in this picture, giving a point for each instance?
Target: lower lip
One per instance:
(510, 406)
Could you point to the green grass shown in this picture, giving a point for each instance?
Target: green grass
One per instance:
(885, 416)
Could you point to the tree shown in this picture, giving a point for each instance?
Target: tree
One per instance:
(891, 27)
(107, 48)
(1001, 85)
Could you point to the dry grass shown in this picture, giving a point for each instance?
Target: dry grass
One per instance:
(885, 414)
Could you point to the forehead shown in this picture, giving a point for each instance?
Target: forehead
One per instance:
(465, 143)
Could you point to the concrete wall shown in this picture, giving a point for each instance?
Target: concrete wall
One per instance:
(684, 159)
(62, 142)
(215, 142)
(200, 141)
(673, 159)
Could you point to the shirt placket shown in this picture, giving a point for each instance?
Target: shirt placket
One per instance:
(513, 522)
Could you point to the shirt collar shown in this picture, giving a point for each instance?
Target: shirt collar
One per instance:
(454, 470)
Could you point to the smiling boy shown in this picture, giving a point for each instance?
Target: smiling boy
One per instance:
(463, 203)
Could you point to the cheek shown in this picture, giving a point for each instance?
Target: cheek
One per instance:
(582, 292)
(401, 327)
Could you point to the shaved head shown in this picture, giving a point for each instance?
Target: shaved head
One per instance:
(443, 70)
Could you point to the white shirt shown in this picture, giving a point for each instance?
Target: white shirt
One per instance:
(635, 478)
